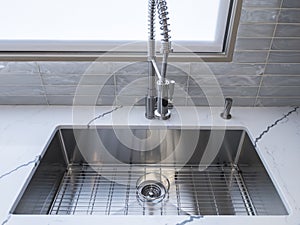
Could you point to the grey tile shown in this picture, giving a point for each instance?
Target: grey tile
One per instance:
(239, 79)
(240, 101)
(240, 91)
(227, 80)
(286, 44)
(253, 43)
(283, 68)
(54, 79)
(60, 99)
(177, 68)
(281, 80)
(201, 81)
(280, 91)
(198, 101)
(244, 80)
(289, 101)
(21, 90)
(130, 100)
(250, 56)
(95, 90)
(180, 101)
(59, 68)
(284, 57)
(98, 80)
(23, 100)
(227, 69)
(219, 101)
(60, 90)
(201, 68)
(222, 91)
(134, 68)
(85, 100)
(92, 90)
(291, 4)
(71, 100)
(131, 90)
(288, 30)
(103, 68)
(77, 79)
(107, 89)
(250, 15)
(106, 100)
(2, 65)
(133, 87)
(262, 3)
(289, 16)
(18, 68)
(20, 79)
(128, 79)
(181, 80)
(180, 92)
(196, 91)
(132, 81)
(256, 30)
(141, 69)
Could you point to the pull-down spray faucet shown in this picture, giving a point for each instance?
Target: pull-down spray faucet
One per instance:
(157, 98)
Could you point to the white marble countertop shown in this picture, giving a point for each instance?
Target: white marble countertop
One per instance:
(25, 130)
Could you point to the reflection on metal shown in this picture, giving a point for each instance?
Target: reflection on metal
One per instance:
(227, 107)
(150, 182)
(162, 85)
(152, 187)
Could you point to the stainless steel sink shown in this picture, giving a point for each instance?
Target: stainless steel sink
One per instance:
(143, 171)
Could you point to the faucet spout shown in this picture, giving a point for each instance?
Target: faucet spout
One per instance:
(157, 106)
(150, 98)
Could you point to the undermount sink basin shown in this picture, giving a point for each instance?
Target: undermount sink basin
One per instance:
(149, 171)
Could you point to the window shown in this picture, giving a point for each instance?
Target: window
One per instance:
(92, 27)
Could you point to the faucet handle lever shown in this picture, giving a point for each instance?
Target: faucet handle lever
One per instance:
(171, 92)
(171, 88)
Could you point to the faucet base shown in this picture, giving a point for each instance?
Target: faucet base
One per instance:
(225, 116)
(162, 116)
(150, 106)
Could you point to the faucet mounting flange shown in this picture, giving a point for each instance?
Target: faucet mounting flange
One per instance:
(162, 116)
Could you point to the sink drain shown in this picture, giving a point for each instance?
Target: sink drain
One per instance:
(152, 187)
(151, 191)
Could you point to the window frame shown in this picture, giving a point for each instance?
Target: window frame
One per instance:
(17, 50)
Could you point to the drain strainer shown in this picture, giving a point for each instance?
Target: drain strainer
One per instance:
(152, 187)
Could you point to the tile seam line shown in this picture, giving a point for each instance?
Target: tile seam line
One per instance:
(268, 55)
(43, 83)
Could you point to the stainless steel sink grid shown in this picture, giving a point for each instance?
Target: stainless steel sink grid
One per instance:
(67, 183)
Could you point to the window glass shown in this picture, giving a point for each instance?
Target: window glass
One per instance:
(98, 25)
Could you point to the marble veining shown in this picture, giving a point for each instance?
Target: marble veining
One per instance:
(36, 124)
(191, 219)
(35, 161)
(103, 114)
(6, 220)
(274, 124)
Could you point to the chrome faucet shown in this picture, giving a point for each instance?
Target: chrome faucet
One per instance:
(157, 99)
(226, 113)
